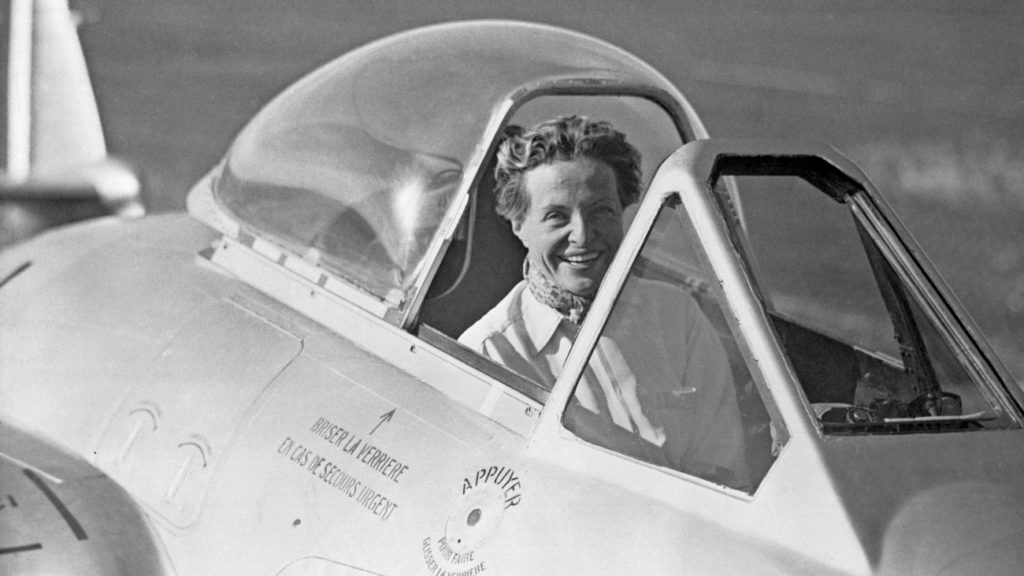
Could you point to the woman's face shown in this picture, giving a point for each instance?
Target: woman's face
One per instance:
(574, 222)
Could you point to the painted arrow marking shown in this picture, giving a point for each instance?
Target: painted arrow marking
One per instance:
(385, 417)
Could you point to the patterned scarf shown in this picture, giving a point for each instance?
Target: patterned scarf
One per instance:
(571, 306)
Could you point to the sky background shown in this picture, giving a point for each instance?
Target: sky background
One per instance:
(927, 97)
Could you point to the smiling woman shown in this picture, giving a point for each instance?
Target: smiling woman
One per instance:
(563, 185)
(573, 223)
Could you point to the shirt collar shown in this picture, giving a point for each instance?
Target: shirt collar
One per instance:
(541, 321)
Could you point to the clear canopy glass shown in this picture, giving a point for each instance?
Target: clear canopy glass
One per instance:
(356, 166)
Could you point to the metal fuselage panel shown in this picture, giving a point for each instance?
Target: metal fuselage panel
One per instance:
(258, 440)
(89, 317)
(225, 413)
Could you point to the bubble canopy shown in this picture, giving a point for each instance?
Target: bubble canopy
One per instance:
(361, 167)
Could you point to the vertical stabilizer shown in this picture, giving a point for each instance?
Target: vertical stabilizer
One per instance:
(56, 167)
(65, 124)
(19, 90)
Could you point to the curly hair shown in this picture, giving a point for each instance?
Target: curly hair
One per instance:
(561, 139)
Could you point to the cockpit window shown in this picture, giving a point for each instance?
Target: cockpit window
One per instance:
(341, 190)
(869, 354)
(667, 382)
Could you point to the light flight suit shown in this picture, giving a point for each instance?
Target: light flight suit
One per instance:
(658, 370)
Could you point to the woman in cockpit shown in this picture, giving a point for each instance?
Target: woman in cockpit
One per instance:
(563, 185)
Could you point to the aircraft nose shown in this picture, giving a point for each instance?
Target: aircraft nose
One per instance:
(966, 528)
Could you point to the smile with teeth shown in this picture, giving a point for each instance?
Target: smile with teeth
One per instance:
(581, 259)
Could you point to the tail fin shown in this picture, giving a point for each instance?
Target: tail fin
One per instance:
(56, 155)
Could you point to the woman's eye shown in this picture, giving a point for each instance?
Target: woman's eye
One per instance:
(554, 216)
